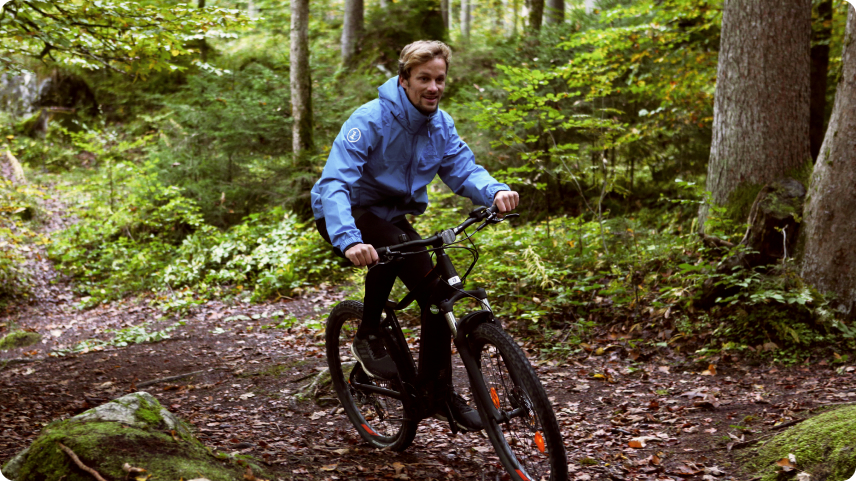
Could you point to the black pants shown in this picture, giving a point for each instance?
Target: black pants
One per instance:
(435, 337)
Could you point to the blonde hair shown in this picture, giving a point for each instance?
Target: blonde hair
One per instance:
(420, 52)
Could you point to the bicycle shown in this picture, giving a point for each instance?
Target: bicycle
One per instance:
(510, 400)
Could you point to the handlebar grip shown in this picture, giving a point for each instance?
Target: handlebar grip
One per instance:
(382, 251)
(493, 209)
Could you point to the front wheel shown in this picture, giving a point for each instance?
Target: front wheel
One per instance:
(527, 439)
(380, 420)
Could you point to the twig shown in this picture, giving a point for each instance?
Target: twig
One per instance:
(787, 424)
(79, 463)
(171, 378)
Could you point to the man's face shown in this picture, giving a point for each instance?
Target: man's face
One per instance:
(426, 84)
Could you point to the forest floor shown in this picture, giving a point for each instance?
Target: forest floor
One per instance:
(626, 413)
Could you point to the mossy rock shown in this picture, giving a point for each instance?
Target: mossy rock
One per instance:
(19, 339)
(133, 429)
(824, 446)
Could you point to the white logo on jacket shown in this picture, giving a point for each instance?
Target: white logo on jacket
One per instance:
(354, 135)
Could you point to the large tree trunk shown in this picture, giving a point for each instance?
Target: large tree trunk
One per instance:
(352, 30)
(829, 226)
(761, 105)
(536, 14)
(821, 33)
(301, 86)
(466, 18)
(555, 12)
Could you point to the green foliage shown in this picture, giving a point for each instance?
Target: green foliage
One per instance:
(19, 212)
(139, 334)
(130, 37)
(19, 339)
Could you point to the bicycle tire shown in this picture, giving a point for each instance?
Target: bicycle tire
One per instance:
(529, 444)
(379, 419)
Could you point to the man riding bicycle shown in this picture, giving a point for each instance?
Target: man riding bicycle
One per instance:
(378, 170)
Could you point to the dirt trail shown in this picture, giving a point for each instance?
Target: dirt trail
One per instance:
(690, 420)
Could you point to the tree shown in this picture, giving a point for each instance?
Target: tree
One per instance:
(446, 9)
(352, 30)
(828, 258)
(301, 83)
(536, 15)
(466, 18)
(820, 35)
(128, 37)
(761, 103)
(555, 12)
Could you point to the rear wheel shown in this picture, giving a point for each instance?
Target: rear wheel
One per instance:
(380, 419)
(528, 440)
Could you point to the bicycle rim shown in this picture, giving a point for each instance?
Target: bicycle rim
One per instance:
(380, 420)
(529, 443)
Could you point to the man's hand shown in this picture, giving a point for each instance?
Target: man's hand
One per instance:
(506, 200)
(362, 255)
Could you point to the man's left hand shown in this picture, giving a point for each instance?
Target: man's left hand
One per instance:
(506, 200)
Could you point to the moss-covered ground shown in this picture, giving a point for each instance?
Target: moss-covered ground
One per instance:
(19, 339)
(107, 446)
(824, 446)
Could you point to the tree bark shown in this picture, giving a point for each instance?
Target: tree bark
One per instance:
(821, 33)
(761, 105)
(203, 44)
(352, 30)
(536, 15)
(829, 256)
(445, 10)
(555, 12)
(466, 18)
(301, 84)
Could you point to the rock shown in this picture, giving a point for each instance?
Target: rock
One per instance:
(19, 339)
(132, 430)
(823, 447)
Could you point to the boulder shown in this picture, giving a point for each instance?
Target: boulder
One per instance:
(133, 430)
(824, 447)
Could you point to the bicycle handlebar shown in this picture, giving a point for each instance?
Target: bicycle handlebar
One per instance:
(447, 236)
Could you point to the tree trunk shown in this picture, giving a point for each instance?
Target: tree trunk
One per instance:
(555, 12)
(536, 15)
(445, 10)
(589, 5)
(829, 256)
(761, 105)
(515, 17)
(821, 33)
(301, 86)
(203, 44)
(450, 15)
(466, 18)
(352, 30)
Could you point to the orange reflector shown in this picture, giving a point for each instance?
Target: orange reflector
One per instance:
(369, 430)
(522, 476)
(495, 397)
(539, 441)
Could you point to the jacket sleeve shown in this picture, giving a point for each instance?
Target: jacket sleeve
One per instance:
(459, 171)
(344, 167)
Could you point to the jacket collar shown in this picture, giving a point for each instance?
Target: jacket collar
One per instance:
(408, 116)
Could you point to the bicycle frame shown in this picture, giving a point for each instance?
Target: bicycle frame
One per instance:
(444, 296)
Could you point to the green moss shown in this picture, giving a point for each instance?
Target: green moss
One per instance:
(19, 339)
(825, 447)
(740, 202)
(106, 446)
(276, 370)
(149, 413)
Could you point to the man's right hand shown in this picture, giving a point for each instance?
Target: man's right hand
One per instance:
(362, 255)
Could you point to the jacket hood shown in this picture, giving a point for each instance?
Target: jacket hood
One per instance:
(402, 109)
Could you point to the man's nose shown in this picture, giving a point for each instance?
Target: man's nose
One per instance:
(432, 86)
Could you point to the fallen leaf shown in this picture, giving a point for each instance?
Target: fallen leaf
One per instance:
(247, 395)
(317, 415)
(329, 467)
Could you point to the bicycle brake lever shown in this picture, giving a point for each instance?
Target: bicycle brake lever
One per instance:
(497, 220)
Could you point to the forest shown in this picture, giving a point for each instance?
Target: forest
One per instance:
(681, 274)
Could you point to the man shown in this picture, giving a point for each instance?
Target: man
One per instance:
(378, 170)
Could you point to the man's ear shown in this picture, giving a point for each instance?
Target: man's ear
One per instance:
(404, 83)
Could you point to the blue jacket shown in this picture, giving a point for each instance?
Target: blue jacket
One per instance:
(383, 159)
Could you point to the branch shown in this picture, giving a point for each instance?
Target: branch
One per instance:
(80, 464)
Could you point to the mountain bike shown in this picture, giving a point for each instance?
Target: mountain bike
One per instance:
(511, 402)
